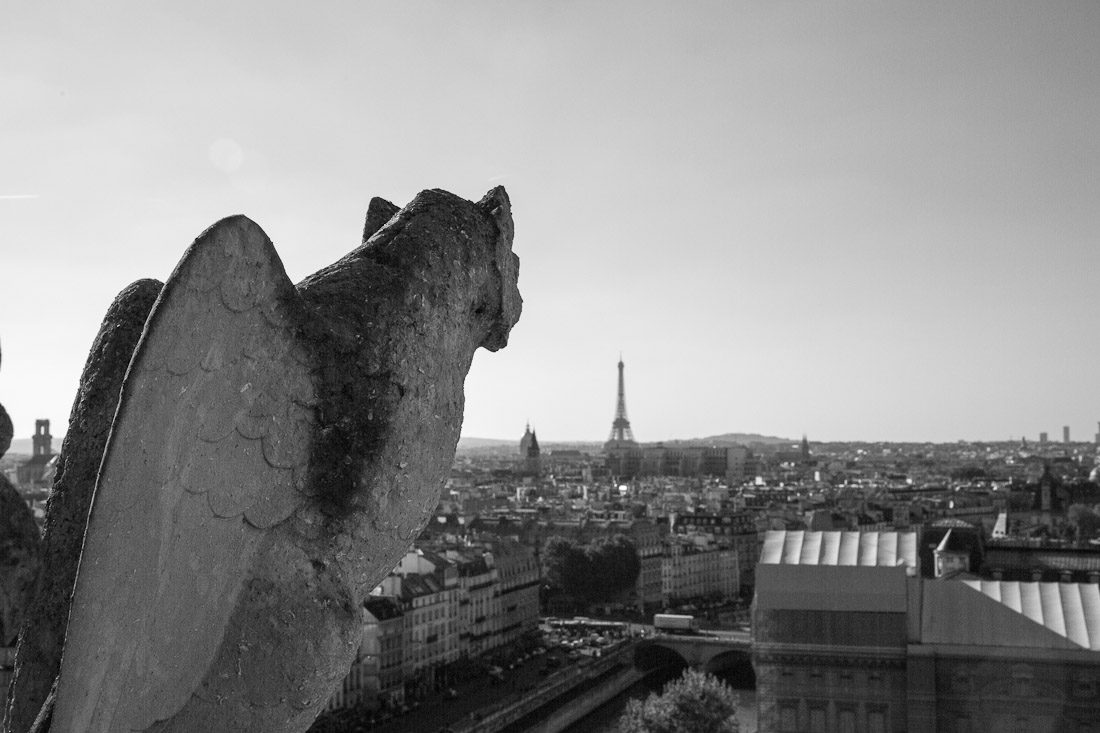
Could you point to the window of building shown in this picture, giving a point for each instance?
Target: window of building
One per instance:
(788, 716)
(1022, 680)
(1084, 687)
(847, 720)
(817, 718)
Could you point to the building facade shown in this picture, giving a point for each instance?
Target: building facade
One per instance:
(735, 529)
(518, 577)
(734, 463)
(427, 587)
(848, 636)
(479, 601)
(692, 568)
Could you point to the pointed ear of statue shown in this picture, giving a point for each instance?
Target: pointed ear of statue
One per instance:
(378, 213)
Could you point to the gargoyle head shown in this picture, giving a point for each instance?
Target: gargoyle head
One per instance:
(506, 310)
(467, 246)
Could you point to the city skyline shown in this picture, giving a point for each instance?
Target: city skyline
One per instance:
(871, 223)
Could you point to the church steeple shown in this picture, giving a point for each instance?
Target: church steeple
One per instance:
(525, 441)
(530, 455)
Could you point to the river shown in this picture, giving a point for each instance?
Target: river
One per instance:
(605, 718)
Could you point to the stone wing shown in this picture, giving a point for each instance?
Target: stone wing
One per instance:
(208, 448)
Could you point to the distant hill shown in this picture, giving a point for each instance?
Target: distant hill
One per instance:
(727, 439)
(582, 446)
(465, 443)
(495, 446)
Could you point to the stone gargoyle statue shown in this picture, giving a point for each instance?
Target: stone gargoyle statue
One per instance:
(275, 450)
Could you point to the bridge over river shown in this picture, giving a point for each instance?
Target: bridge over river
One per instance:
(721, 652)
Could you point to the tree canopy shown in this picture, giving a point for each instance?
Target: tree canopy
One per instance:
(565, 564)
(598, 571)
(1084, 520)
(696, 703)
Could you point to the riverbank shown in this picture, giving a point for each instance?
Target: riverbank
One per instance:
(567, 711)
(562, 699)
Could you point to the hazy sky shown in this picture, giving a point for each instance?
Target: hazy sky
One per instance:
(853, 220)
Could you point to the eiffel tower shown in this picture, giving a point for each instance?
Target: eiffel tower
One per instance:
(621, 434)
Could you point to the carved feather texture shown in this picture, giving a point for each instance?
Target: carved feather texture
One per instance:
(213, 435)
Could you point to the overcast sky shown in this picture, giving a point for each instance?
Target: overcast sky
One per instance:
(851, 220)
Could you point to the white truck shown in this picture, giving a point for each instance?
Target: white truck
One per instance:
(675, 623)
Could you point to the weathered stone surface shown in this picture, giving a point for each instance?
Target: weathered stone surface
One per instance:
(38, 656)
(275, 451)
(5, 428)
(19, 549)
(19, 559)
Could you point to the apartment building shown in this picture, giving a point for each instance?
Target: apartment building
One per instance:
(518, 576)
(426, 585)
(479, 600)
(694, 567)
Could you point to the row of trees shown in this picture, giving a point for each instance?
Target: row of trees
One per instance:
(598, 571)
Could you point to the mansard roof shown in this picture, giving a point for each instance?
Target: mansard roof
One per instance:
(862, 549)
(416, 584)
(382, 608)
(954, 542)
(470, 565)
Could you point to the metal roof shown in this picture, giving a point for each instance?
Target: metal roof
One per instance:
(1071, 610)
(865, 549)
